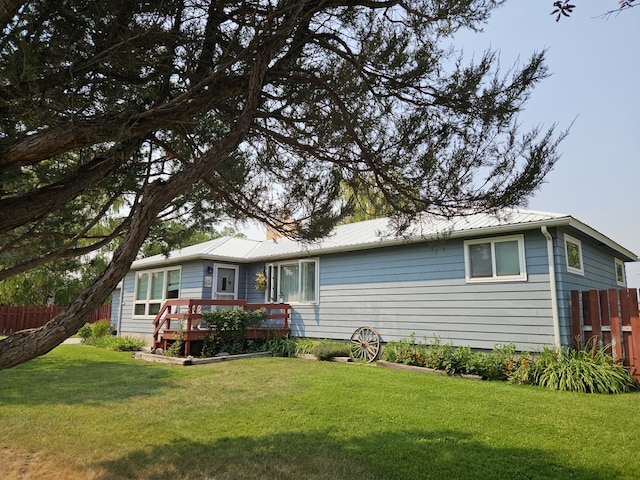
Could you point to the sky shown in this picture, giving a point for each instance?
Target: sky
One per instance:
(593, 63)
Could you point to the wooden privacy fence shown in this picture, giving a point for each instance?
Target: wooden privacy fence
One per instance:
(14, 318)
(609, 317)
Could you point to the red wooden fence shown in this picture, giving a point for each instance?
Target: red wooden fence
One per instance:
(20, 317)
(612, 317)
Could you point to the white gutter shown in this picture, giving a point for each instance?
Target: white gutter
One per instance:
(552, 282)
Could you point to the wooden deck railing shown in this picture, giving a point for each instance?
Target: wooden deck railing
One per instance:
(188, 314)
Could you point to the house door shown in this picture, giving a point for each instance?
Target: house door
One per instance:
(226, 286)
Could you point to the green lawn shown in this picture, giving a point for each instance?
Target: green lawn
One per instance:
(113, 417)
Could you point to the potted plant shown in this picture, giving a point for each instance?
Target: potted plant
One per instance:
(260, 282)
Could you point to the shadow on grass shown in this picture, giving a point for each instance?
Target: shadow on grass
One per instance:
(406, 455)
(75, 374)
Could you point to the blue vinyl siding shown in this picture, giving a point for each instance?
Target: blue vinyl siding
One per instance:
(599, 274)
(420, 289)
(191, 286)
(115, 306)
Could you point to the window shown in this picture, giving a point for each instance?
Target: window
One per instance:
(496, 259)
(573, 250)
(293, 282)
(153, 288)
(620, 278)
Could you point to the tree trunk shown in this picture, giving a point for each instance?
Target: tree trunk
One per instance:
(23, 346)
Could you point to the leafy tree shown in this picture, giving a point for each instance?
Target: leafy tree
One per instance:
(60, 281)
(196, 111)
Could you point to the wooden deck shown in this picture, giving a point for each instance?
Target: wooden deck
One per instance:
(188, 313)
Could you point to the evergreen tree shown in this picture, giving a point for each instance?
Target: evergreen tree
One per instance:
(199, 111)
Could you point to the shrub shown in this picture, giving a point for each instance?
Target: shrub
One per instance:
(304, 346)
(85, 331)
(406, 351)
(329, 349)
(497, 364)
(120, 344)
(439, 356)
(176, 349)
(101, 328)
(228, 329)
(285, 347)
(128, 344)
(591, 370)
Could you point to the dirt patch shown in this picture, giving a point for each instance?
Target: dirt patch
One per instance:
(23, 465)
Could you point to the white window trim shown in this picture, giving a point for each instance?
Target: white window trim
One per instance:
(164, 290)
(495, 278)
(236, 283)
(276, 273)
(616, 262)
(570, 269)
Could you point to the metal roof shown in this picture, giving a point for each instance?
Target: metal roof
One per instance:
(378, 233)
(225, 248)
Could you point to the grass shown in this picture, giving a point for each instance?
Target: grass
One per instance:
(81, 412)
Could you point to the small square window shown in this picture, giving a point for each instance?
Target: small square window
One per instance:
(620, 277)
(573, 250)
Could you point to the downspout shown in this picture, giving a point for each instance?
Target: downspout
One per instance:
(554, 290)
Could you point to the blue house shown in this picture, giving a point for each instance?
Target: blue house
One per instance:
(477, 281)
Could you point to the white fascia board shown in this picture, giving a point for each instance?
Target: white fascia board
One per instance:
(586, 229)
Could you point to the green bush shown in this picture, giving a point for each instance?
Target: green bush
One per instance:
(407, 352)
(86, 331)
(120, 344)
(128, 344)
(494, 365)
(101, 328)
(497, 364)
(329, 349)
(304, 346)
(324, 349)
(591, 370)
(284, 347)
(228, 329)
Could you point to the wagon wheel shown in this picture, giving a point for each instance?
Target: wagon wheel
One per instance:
(365, 344)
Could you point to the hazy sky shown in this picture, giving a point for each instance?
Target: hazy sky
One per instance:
(594, 64)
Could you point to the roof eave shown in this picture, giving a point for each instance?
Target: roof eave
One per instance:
(189, 258)
(566, 221)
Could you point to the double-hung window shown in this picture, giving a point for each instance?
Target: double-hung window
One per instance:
(495, 259)
(293, 282)
(153, 288)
